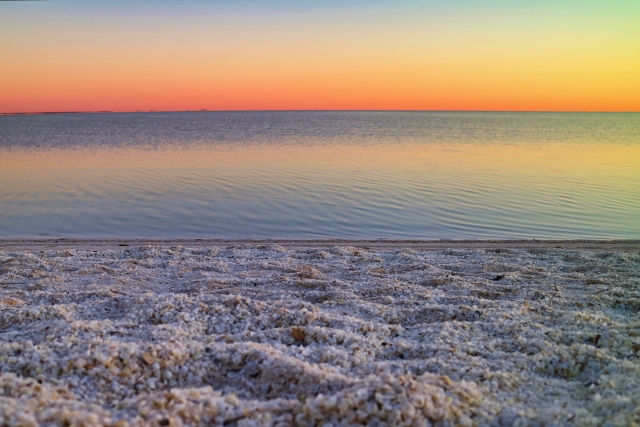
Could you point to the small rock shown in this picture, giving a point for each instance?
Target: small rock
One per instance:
(148, 358)
(298, 334)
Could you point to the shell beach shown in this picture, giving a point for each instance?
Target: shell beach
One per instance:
(265, 335)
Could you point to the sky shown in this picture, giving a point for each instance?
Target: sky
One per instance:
(129, 55)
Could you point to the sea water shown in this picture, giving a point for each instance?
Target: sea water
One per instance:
(417, 175)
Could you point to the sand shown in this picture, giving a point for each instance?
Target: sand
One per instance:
(324, 333)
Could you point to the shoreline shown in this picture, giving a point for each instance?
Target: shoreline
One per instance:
(295, 244)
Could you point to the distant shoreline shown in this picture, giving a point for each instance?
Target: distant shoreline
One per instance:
(204, 110)
(42, 113)
(377, 244)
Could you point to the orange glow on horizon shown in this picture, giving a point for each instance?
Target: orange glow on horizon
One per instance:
(410, 63)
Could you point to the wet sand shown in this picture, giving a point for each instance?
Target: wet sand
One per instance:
(381, 244)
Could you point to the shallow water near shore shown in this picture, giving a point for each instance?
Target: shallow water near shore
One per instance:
(321, 174)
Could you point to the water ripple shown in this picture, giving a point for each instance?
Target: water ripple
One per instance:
(321, 174)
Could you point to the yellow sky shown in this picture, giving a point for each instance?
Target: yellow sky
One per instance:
(406, 55)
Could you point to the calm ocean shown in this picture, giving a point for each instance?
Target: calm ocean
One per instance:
(321, 174)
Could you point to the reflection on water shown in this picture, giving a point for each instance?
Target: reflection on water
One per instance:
(321, 174)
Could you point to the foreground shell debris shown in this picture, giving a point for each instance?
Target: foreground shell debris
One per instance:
(261, 335)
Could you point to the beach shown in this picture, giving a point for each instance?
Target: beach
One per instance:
(319, 332)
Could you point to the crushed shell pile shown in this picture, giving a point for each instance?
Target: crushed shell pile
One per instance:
(261, 335)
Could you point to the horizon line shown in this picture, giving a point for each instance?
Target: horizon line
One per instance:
(35, 113)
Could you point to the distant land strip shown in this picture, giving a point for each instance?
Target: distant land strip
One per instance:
(35, 113)
(50, 112)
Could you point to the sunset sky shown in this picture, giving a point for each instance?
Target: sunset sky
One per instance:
(127, 55)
